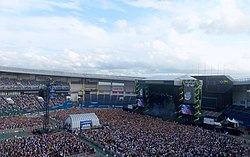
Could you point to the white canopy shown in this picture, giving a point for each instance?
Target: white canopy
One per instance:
(40, 99)
(236, 123)
(9, 100)
(232, 120)
(82, 121)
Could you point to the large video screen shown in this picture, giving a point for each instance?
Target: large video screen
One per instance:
(187, 109)
(189, 93)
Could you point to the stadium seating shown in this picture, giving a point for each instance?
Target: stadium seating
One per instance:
(27, 103)
(132, 100)
(87, 98)
(14, 84)
(239, 113)
(93, 97)
(101, 100)
(126, 99)
(113, 99)
(107, 98)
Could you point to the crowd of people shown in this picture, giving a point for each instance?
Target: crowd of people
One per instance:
(17, 122)
(53, 144)
(4, 104)
(27, 102)
(122, 133)
(131, 134)
(14, 84)
(25, 84)
(61, 115)
(56, 144)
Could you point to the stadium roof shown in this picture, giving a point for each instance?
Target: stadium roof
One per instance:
(211, 75)
(66, 74)
(170, 77)
(243, 81)
(167, 77)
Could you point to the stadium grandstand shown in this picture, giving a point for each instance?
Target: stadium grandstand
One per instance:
(152, 127)
(19, 88)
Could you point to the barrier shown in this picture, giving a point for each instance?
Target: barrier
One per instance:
(103, 105)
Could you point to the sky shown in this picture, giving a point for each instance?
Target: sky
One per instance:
(127, 37)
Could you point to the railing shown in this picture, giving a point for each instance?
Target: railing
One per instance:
(242, 80)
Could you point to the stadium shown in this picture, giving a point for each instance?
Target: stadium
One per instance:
(53, 113)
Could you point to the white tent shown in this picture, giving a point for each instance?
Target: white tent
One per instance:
(9, 100)
(236, 123)
(40, 99)
(82, 121)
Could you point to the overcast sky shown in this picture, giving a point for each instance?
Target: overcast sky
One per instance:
(126, 37)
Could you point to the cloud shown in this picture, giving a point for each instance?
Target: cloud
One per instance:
(55, 33)
(154, 4)
(144, 30)
(109, 5)
(17, 7)
(121, 24)
(102, 20)
(72, 5)
(223, 16)
(170, 37)
(233, 18)
(227, 17)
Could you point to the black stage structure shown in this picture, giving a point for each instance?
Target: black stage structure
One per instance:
(216, 92)
(170, 97)
(183, 98)
(48, 93)
(158, 100)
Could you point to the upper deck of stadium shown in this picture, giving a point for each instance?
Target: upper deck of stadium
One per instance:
(161, 78)
(65, 74)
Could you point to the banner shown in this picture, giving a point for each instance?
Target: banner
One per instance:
(85, 122)
(120, 89)
(117, 93)
(104, 83)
